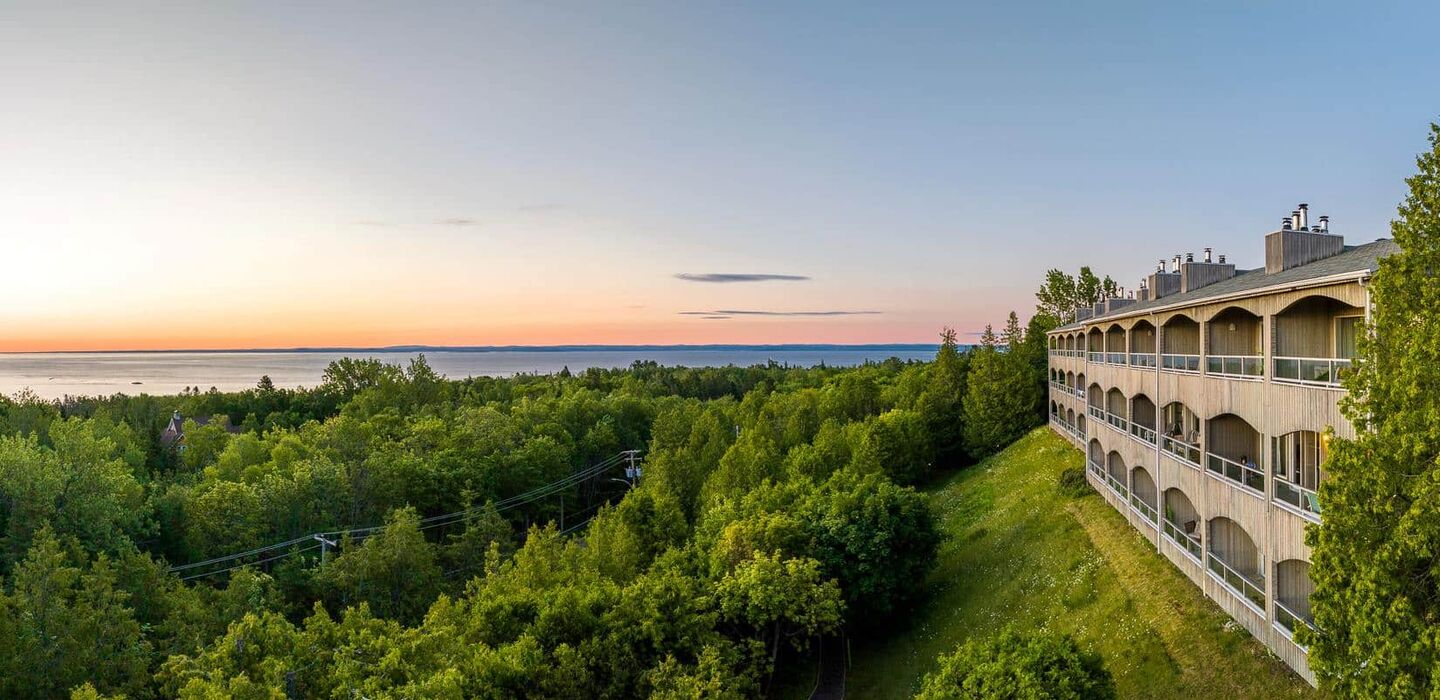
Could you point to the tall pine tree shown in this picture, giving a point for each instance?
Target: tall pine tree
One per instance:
(1000, 395)
(1376, 558)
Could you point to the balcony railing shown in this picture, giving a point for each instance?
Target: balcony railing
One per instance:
(1115, 358)
(1235, 365)
(1311, 370)
(1098, 470)
(1079, 393)
(1117, 422)
(1142, 359)
(1191, 545)
(1142, 433)
(1251, 589)
(1180, 363)
(1146, 510)
(1095, 412)
(1302, 498)
(1289, 621)
(1116, 485)
(1245, 474)
(1183, 451)
(1096, 357)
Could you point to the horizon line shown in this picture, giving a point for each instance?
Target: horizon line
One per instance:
(582, 347)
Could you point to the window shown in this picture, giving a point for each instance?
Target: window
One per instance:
(1346, 330)
(1298, 457)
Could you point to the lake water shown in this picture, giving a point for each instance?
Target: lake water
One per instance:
(53, 375)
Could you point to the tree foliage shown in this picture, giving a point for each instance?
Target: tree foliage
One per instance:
(1034, 666)
(1377, 596)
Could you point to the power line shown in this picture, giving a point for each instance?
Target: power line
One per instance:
(357, 534)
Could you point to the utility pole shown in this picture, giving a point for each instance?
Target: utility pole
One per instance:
(325, 546)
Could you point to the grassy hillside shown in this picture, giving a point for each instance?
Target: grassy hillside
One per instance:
(1022, 552)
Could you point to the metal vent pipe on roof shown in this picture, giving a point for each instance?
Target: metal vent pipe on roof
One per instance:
(1207, 255)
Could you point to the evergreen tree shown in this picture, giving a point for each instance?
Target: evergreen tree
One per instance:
(1377, 597)
(1000, 393)
(941, 404)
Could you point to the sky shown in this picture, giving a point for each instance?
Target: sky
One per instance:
(282, 174)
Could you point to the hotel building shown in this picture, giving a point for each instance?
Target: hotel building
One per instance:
(1201, 403)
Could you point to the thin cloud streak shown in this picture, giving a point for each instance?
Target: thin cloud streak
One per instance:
(458, 222)
(753, 312)
(728, 277)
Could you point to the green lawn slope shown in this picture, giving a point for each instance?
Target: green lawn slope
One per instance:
(1022, 552)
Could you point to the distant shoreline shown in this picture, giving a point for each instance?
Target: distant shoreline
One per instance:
(810, 347)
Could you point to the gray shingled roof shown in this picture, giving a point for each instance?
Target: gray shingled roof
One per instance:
(1357, 258)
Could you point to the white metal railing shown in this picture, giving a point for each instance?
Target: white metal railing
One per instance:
(1248, 475)
(1095, 357)
(1095, 412)
(1097, 469)
(1142, 433)
(1117, 422)
(1287, 619)
(1242, 585)
(1115, 358)
(1079, 393)
(1306, 500)
(1146, 510)
(1311, 370)
(1184, 451)
(1142, 359)
(1116, 485)
(1191, 545)
(1180, 363)
(1235, 365)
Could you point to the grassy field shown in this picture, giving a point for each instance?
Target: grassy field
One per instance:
(1020, 551)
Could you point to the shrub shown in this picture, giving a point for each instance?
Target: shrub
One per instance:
(1072, 482)
(1035, 666)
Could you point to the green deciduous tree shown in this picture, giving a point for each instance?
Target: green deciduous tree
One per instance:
(1036, 666)
(1377, 596)
(395, 571)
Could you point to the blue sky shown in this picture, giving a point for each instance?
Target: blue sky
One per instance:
(340, 173)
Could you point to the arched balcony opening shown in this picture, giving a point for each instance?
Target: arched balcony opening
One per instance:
(1095, 345)
(1054, 409)
(1142, 418)
(1233, 450)
(1315, 340)
(1070, 344)
(1292, 596)
(1070, 382)
(1142, 344)
(1182, 523)
(1295, 469)
(1233, 348)
(1080, 423)
(1115, 345)
(1182, 433)
(1115, 472)
(1095, 402)
(1095, 459)
(1142, 494)
(1233, 558)
(1115, 413)
(1180, 344)
(1080, 385)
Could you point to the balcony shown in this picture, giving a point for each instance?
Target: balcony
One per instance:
(1186, 452)
(1302, 499)
(1114, 358)
(1117, 422)
(1250, 588)
(1323, 371)
(1096, 357)
(1116, 485)
(1190, 544)
(1244, 366)
(1180, 363)
(1142, 433)
(1142, 359)
(1248, 475)
(1145, 510)
(1095, 412)
(1288, 621)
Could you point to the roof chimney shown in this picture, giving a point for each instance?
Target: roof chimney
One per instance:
(1222, 258)
(1207, 255)
(1161, 266)
(1297, 244)
(1189, 257)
